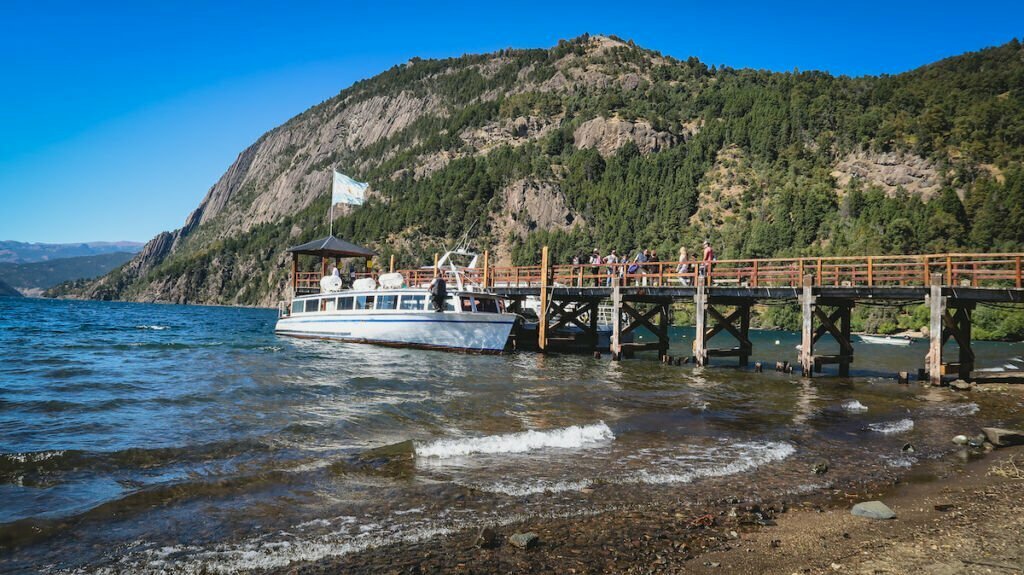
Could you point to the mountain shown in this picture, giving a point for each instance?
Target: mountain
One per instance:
(33, 278)
(23, 252)
(6, 290)
(598, 142)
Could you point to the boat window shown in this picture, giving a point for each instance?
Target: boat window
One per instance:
(413, 302)
(364, 302)
(467, 303)
(298, 306)
(387, 302)
(330, 304)
(486, 304)
(312, 305)
(345, 303)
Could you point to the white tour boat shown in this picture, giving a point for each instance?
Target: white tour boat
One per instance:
(387, 311)
(885, 339)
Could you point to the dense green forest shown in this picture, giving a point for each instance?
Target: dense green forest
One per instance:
(752, 170)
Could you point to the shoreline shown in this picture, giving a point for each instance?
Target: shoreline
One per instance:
(952, 516)
(960, 520)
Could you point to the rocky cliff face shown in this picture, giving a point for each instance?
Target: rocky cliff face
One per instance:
(509, 139)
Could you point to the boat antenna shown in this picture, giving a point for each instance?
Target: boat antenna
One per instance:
(463, 242)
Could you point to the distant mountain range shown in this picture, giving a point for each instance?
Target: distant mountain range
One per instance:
(34, 277)
(25, 252)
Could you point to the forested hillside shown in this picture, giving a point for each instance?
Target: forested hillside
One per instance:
(599, 143)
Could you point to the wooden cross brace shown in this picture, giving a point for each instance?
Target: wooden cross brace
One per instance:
(565, 317)
(726, 323)
(639, 319)
(828, 324)
(958, 325)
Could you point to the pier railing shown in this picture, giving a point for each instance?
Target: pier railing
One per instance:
(957, 269)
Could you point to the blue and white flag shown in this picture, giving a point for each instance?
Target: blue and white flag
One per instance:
(348, 191)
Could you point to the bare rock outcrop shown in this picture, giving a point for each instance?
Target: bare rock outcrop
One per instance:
(607, 135)
(531, 205)
(890, 171)
(515, 131)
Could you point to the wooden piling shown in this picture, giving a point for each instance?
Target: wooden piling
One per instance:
(700, 351)
(937, 308)
(807, 328)
(616, 340)
(542, 326)
(487, 270)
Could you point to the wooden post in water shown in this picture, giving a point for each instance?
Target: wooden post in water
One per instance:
(807, 330)
(937, 308)
(487, 270)
(700, 301)
(616, 341)
(542, 326)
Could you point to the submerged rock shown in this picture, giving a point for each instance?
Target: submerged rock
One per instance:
(820, 467)
(960, 439)
(1000, 437)
(873, 510)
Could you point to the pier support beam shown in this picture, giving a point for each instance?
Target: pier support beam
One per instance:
(807, 301)
(937, 309)
(949, 319)
(616, 342)
(816, 323)
(542, 325)
(700, 301)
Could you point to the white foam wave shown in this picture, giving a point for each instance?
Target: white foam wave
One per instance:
(891, 427)
(962, 409)
(751, 456)
(153, 327)
(572, 437)
(539, 486)
(31, 457)
(854, 405)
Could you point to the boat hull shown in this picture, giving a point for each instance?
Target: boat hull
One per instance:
(477, 332)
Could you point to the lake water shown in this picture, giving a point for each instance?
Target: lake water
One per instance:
(139, 437)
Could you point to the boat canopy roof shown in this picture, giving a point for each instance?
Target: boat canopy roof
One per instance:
(332, 247)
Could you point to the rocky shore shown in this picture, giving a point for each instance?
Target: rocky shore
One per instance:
(953, 515)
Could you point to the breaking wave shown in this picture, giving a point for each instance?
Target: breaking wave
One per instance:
(571, 437)
(748, 456)
(889, 427)
(854, 405)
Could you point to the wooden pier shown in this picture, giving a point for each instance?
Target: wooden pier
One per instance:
(723, 293)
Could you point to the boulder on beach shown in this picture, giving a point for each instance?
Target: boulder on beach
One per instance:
(1003, 437)
(873, 510)
(524, 540)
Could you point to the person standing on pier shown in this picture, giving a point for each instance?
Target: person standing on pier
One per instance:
(595, 262)
(707, 259)
(683, 268)
(612, 260)
(654, 267)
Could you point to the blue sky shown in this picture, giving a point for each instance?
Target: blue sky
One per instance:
(117, 117)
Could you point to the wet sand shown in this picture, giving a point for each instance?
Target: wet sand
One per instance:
(953, 516)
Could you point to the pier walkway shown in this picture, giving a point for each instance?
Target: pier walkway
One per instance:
(827, 289)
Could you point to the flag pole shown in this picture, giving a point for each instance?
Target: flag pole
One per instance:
(332, 202)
